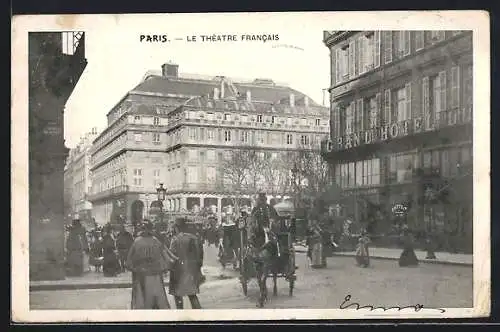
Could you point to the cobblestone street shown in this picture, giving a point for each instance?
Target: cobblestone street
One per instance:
(383, 284)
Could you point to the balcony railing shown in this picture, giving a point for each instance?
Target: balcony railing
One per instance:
(226, 188)
(108, 193)
(70, 41)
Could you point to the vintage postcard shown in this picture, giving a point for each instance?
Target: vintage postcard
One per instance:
(302, 165)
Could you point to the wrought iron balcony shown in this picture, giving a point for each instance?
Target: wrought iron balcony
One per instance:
(108, 193)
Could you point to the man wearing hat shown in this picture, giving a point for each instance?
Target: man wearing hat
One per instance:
(148, 261)
(124, 241)
(186, 277)
(263, 212)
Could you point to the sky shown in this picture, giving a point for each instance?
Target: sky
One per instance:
(117, 60)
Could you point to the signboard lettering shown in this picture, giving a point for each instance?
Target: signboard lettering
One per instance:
(394, 130)
(417, 125)
(384, 133)
(368, 136)
(355, 140)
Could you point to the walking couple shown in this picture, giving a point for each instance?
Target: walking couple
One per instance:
(148, 260)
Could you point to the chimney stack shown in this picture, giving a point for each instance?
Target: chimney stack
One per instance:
(216, 93)
(249, 96)
(306, 101)
(222, 88)
(292, 100)
(170, 70)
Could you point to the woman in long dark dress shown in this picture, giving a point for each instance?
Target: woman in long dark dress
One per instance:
(111, 264)
(408, 257)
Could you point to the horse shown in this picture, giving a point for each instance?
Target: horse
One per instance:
(265, 253)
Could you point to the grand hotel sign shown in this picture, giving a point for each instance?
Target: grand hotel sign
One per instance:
(392, 131)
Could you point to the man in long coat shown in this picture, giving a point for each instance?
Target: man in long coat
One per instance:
(147, 261)
(124, 241)
(186, 277)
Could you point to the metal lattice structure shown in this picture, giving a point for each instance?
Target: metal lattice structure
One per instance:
(70, 41)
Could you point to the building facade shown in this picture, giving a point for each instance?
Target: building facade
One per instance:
(222, 148)
(155, 135)
(56, 62)
(77, 178)
(401, 127)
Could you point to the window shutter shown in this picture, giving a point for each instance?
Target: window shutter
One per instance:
(360, 55)
(469, 93)
(455, 87)
(352, 112)
(425, 95)
(442, 81)
(426, 100)
(376, 52)
(419, 40)
(359, 115)
(408, 100)
(399, 43)
(337, 65)
(352, 59)
(387, 106)
(387, 46)
(379, 104)
(406, 42)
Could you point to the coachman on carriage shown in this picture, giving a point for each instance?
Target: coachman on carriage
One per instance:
(267, 249)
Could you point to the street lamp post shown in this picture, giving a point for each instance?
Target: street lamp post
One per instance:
(147, 205)
(161, 192)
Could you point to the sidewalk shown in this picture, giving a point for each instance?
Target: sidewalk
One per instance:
(393, 254)
(94, 280)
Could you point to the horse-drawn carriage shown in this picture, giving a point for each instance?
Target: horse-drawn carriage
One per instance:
(273, 257)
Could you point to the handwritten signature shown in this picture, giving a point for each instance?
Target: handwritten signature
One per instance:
(288, 46)
(347, 304)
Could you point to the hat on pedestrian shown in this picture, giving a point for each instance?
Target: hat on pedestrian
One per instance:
(180, 223)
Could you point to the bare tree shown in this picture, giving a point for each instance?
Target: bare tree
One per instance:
(314, 175)
(241, 170)
(277, 173)
(255, 176)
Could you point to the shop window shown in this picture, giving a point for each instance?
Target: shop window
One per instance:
(401, 168)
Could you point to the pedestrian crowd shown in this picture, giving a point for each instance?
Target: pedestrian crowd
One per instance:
(150, 255)
(325, 237)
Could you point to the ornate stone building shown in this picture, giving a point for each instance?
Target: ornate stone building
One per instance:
(172, 129)
(401, 127)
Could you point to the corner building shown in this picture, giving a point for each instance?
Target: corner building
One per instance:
(400, 113)
(174, 129)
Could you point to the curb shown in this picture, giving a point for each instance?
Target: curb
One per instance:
(425, 261)
(58, 287)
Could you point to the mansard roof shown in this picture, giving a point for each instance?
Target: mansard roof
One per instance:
(265, 92)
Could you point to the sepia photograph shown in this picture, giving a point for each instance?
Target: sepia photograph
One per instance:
(250, 161)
